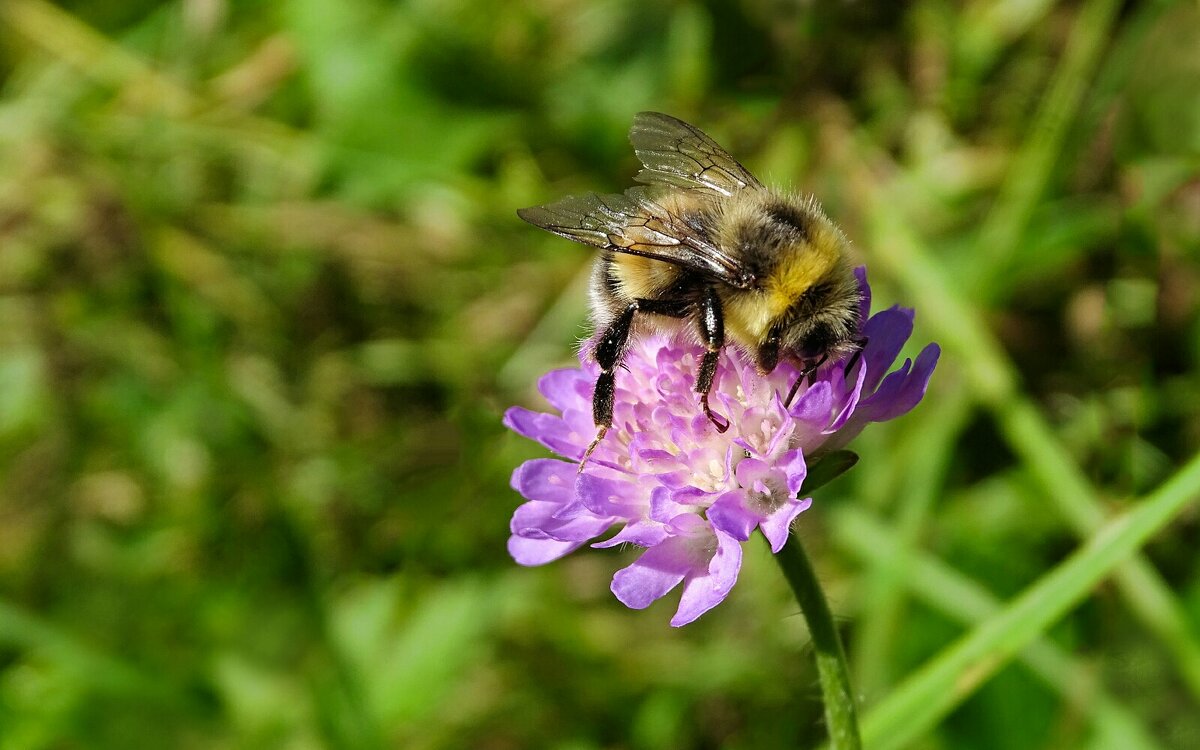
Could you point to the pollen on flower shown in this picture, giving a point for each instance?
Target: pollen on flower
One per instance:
(665, 481)
(715, 469)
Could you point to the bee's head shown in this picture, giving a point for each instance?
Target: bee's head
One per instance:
(822, 322)
(805, 304)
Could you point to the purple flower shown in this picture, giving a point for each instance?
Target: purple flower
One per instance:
(666, 480)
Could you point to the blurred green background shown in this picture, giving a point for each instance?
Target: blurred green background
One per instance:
(264, 297)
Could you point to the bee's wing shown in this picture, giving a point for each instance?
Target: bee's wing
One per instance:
(634, 223)
(681, 155)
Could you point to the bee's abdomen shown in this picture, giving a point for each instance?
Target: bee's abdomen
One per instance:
(619, 279)
(637, 277)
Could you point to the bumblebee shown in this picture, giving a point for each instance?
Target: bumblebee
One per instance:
(704, 245)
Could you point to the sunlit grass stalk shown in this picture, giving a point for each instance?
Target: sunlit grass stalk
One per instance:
(944, 682)
(993, 380)
(926, 460)
(61, 649)
(837, 693)
(1033, 166)
(957, 596)
(99, 58)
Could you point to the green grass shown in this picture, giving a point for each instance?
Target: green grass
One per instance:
(264, 296)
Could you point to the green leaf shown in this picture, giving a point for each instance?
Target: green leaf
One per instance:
(828, 468)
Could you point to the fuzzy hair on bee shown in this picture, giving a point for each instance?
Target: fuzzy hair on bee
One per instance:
(704, 247)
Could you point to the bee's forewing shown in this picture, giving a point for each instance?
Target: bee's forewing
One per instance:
(680, 155)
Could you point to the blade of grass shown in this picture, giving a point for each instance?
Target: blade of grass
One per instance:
(949, 678)
(101, 671)
(99, 58)
(69, 39)
(955, 595)
(1033, 166)
(926, 462)
(993, 378)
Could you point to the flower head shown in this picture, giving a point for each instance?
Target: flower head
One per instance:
(665, 479)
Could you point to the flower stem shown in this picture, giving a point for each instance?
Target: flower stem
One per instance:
(831, 658)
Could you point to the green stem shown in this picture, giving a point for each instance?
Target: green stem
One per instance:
(840, 713)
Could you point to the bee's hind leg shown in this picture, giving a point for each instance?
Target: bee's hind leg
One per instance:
(712, 335)
(609, 352)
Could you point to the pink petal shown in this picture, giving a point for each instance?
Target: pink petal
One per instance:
(730, 514)
(793, 466)
(642, 533)
(703, 592)
(568, 388)
(654, 574)
(776, 526)
(539, 551)
(549, 430)
(546, 480)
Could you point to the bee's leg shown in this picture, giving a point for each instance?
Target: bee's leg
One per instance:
(810, 368)
(712, 335)
(860, 342)
(608, 355)
(787, 402)
(610, 349)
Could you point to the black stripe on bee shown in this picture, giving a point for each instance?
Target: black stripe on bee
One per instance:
(612, 284)
(790, 216)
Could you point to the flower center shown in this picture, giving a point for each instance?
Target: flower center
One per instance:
(766, 494)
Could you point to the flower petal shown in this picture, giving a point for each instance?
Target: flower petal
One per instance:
(776, 526)
(535, 520)
(546, 480)
(886, 333)
(548, 429)
(642, 533)
(568, 388)
(864, 305)
(849, 400)
(703, 592)
(815, 406)
(659, 569)
(731, 515)
(906, 392)
(539, 551)
(794, 467)
(605, 495)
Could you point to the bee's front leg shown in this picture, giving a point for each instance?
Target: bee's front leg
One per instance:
(807, 372)
(860, 343)
(712, 335)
